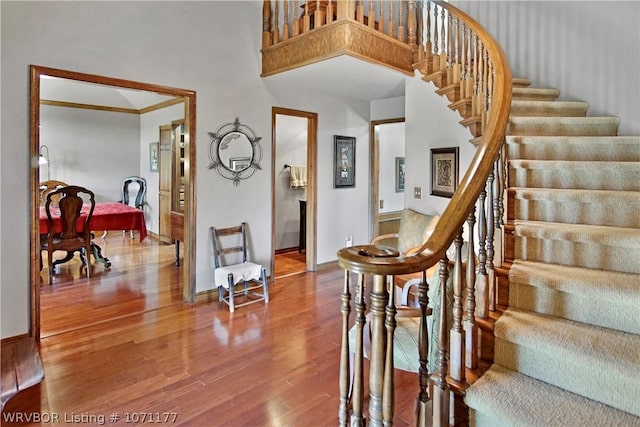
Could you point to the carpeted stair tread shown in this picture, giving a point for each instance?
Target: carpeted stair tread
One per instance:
(621, 176)
(591, 207)
(535, 93)
(502, 397)
(598, 148)
(603, 298)
(590, 246)
(556, 126)
(524, 107)
(520, 82)
(572, 355)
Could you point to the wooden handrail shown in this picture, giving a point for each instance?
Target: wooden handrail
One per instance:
(357, 259)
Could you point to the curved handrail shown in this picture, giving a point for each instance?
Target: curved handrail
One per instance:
(359, 259)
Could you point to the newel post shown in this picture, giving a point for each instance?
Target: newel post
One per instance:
(266, 23)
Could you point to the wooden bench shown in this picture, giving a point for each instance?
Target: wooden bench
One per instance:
(21, 366)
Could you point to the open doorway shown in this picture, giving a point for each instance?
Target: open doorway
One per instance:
(181, 99)
(293, 191)
(387, 175)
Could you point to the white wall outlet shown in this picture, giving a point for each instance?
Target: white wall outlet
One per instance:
(417, 192)
(348, 241)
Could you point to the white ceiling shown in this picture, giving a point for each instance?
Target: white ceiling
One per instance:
(343, 75)
(65, 90)
(347, 76)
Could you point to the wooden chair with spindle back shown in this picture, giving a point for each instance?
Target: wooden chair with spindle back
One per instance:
(68, 224)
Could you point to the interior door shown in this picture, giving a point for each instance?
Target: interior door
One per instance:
(166, 175)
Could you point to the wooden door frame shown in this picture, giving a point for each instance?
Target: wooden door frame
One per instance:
(188, 273)
(312, 160)
(374, 173)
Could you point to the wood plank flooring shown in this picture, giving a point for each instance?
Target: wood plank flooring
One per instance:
(129, 347)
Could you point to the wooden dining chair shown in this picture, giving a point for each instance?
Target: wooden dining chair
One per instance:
(49, 186)
(68, 224)
(231, 267)
(133, 192)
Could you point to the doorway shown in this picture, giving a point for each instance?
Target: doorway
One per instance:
(185, 98)
(293, 228)
(387, 147)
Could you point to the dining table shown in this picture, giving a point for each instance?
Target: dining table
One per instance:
(106, 216)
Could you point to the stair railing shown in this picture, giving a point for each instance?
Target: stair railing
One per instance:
(470, 68)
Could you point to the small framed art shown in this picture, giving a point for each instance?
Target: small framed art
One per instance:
(399, 174)
(444, 171)
(344, 162)
(153, 157)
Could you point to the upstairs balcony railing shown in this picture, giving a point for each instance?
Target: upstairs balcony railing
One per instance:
(466, 64)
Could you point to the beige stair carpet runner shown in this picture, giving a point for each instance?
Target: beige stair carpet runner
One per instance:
(567, 350)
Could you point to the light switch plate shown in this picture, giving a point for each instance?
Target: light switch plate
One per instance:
(417, 192)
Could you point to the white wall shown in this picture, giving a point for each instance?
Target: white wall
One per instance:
(291, 149)
(430, 124)
(150, 132)
(587, 49)
(391, 143)
(172, 44)
(90, 148)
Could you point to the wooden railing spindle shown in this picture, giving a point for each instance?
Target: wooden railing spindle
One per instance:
(439, 377)
(489, 241)
(357, 416)
(296, 19)
(275, 36)
(391, 22)
(402, 36)
(388, 399)
(266, 24)
(469, 319)
(457, 338)
(379, 299)
(345, 309)
(482, 308)
(360, 12)
(423, 351)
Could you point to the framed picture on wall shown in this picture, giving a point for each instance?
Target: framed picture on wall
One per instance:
(444, 171)
(344, 161)
(399, 174)
(153, 157)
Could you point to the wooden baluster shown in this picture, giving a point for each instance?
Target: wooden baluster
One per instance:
(423, 352)
(468, 87)
(482, 308)
(419, 31)
(317, 16)
(371, 19)
(489, 242)
(306, 21)
(329, 12)
(346, 9)
(428, 47)
(391, 23)
(436, 46)
(450, 53)
(266, 23)
(360, 12)
(388, 399)
(443, 39)
(296, 19)
(439, 377)
(476, 76)
(480, 94)
(276, 29)
(456, 338)
(502, 173)
(402, 36)
(285, 26)
(357, 415)
(379, 299)
(463, 57)
(485, 87)
(456, 51)
(345, 309)
(489, 101)
(381, 20)
(469, 318)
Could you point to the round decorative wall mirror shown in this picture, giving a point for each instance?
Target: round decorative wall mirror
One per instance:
(234, 151)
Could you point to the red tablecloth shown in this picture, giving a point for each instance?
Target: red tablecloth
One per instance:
(106, 216)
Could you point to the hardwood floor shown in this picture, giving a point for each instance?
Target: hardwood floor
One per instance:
(272, 364)
(289, 263)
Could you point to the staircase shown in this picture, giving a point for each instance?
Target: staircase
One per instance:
(567, 348)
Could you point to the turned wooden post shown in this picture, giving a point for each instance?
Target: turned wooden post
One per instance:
(490, 248)
(457, 339)
(440, 387)
(388, 399)
(357, 416)
(266, 23)
(346, 9)
(275, 29)
(423, 352)
(481, 277)
(379, 299)
(345, 309)
(469, 319)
